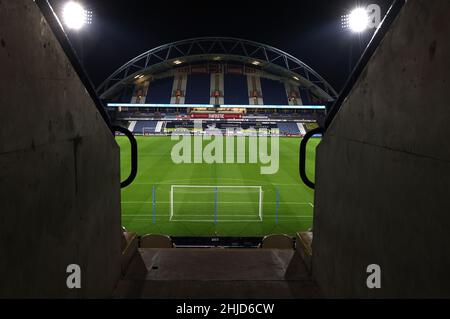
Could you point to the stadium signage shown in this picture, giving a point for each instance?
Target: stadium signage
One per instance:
(216, 116)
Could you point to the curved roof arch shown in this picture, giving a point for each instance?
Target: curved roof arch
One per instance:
(260, 55)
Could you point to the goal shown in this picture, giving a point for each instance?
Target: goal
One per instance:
(200, 203)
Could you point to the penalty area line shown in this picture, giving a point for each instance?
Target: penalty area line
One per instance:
(194, 203)
(266, 217)
(218, 221)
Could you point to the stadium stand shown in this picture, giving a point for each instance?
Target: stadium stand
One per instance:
(274, 92)
(126, 95)
(159, 91)
(236, 86)
(197, 90)
(289, 128)
(149, 127)
(310, 126)
(304, 95)
(131, 125)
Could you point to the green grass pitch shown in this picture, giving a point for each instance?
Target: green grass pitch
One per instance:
(210, 211)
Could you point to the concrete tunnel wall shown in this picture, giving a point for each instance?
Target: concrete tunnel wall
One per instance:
(383, 169)
(59, 168)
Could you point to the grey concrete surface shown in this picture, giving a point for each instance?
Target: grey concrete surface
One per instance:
(383, 168)
(217, 273)
(217, 264)
(59, 169)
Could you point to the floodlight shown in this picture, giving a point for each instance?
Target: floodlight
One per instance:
(358, 20)
(344, 22)
(75, 16)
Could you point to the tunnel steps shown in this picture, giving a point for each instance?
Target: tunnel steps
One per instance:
(217, 273)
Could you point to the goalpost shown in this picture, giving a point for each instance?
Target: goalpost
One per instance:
(204, 203)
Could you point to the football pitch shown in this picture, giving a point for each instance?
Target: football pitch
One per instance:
(214, 199)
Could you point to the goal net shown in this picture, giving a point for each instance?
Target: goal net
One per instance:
(216, 203)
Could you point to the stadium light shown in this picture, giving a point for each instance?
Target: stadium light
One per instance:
(75, 16)
(357, 20)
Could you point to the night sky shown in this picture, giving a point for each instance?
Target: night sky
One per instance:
(309, 30)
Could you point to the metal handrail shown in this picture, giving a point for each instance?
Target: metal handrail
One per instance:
(134, 155)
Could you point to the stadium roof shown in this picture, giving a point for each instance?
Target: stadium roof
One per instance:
(267, 58)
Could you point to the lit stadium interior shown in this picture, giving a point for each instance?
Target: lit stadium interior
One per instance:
(215, 167)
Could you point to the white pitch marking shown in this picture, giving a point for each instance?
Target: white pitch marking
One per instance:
(219, 221)
(237, 216)
(187, 203)
(228, 184)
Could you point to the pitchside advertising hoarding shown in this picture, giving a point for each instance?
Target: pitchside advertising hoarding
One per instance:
(252, 127)
(221, 116)
(211, 106)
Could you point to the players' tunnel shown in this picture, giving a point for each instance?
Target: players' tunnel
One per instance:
(381, 175)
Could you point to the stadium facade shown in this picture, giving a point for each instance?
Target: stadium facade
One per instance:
(220, 81)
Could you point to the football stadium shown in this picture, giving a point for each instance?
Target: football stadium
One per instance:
(224, 160)
(220, 92)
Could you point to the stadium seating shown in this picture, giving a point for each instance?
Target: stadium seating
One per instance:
(305, 96)
(197, 90)
(156, 241)
(236, 90)
(149, 126)
(277, 242)
(179, 120)
(126, 95)
(274, 92)
(310, 126)
(288, 128)
(159, 91)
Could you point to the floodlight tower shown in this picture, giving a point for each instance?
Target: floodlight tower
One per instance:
(75, 18)
(357, 21)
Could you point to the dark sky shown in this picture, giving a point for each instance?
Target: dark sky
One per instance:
(308, 29)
